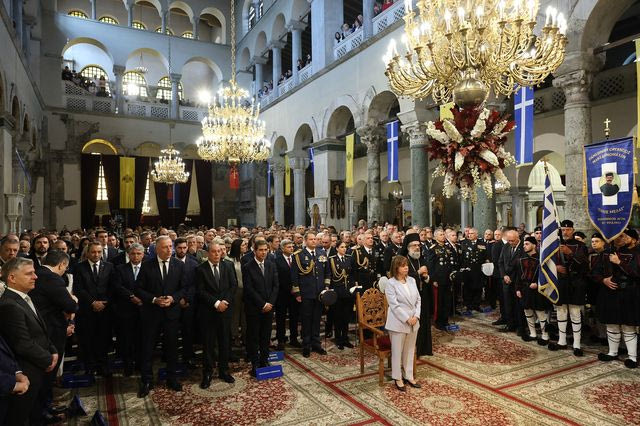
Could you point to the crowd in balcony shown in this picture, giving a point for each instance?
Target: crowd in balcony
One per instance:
(268, 88)
(346, 29)
(96, 86)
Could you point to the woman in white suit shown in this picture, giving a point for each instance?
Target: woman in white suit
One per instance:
(403, 321)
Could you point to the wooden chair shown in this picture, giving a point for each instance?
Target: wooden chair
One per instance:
(372, 307)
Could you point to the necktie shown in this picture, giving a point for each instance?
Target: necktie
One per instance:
(313, 254)
(135, 272)
(216, 274)
(164, 270)
(289, 261)
(105, 253)
(261, 267)
(95, 271)
(30, 303)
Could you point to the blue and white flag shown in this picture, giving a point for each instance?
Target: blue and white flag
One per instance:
(393, 132)
(173, 196)
(609, 179)
(548, 276)
(523, 111)
(268, 179)
(311, 158)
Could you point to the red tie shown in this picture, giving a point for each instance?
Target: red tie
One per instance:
(289, 261)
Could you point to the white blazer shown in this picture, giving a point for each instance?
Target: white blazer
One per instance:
(403, 305)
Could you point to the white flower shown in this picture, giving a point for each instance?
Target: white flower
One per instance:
(459, 160)
(497, 130)
(439, 171)
(449, 186)
(502, 179)
(436, 134)
(490, 157)
(487, 185)
(451, 131)
(481, 124)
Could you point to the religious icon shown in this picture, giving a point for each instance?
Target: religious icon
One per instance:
(609, 184)
(337, 210)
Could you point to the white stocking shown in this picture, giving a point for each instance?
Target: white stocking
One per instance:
(562, 312)
(631, 341)
(576, 324)
(542, 319)
(531, 322)
(613, 336)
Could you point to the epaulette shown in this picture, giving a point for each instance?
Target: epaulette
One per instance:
(432, 246)
(332, 256)
(296, 252)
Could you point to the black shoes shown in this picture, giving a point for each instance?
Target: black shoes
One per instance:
(507, 329)
(630, 363)
(606, 357)
(145, 387)
(542, 342)
(206, 381)
(52, 419)
(527, 338)
(348, 344)
(295, 343)
(174, 385)
(319, 350)
(499, 322)
(280, 346)
(252, 372)
(400, 388)
(226, 377)
(328, 334)
(578, 352)
(412, 384)
(340, 347)
(306, 352)
(554, 346)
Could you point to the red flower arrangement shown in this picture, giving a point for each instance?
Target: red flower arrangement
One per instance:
(470, 148)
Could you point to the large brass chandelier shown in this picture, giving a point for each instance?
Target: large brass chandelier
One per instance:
(461, 49)
(169, 168)
(232, 132)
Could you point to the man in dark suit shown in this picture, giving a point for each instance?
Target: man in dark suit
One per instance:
(286, 302)
(260, 282)
(493, 292)
(216, 285)
(26, 334)
(55, 306)
(108, 252)
(126, 307)
(160, 287)
(12, 380)
(511, 252)
(9, 247)
(309, 276)
(188, 302)
(40, 247)
(93, 286)
(123, 257)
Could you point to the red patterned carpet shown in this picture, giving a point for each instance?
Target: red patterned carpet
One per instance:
(476, 377)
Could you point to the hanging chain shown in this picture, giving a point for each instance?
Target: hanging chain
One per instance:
(233, 42)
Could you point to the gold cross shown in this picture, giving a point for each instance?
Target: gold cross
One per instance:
(607, 130)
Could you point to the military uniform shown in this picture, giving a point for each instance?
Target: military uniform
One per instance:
(309, 276)
(474, 254)
(443, 268)
(535, 304)
(365, 268)
(342, 283)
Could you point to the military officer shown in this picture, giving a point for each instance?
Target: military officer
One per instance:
(452, 240)
(474, 254)
(443, 268)
(340, 266)
(309, 276)
(365, 264)
(572, 267)
(390, 252)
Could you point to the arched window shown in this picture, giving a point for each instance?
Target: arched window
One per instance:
(252, 13)
(78, 14)
(93, 71)
(102, 185)
(164, 89)
(134, 84)
(187, 34)
(108, 20)
(167, 31)
(138, 25)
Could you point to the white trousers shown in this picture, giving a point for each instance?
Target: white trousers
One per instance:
(403, 347)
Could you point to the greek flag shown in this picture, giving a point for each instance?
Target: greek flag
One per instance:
(523, 108)
(392, 150)
(548, 276)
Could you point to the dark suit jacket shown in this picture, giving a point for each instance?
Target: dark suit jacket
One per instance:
(496, 251)
(150, 285)
(284, 275)
(112, 253)
(209, 290)
(124, 286)
(190, 265)
(26, 334)
(87, 289)
(247, 257)
(259, 289)
(509, 262)
(8, 368)
(52, 300)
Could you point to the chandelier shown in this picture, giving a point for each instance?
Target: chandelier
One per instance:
(232, 132)
(169, 168)
(461, 49)
(141, 68)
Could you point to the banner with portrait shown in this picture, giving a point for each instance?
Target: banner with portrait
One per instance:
(609, 182)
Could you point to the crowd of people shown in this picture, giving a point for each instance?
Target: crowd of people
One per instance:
(96, 85)
(267, 88)
(114, 296)
(347, 29)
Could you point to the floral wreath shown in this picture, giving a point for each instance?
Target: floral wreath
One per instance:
(470, 148)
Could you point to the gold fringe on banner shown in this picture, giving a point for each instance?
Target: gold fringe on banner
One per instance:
(584, 174)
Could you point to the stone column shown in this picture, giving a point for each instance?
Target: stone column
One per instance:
(175, 98)
(296, 28)
(517, 209)
(373, 136)
(367, 18)
(577, 131)
(420, 191)
(118, 70)
(256, 7)
(326, 18)
(94, 11)
(464, 213)
(278, 191)
(276, 50)
(299, 166)
(130, 9)
(258, 62)
(195, 22)
(18, 18)
(6, 168)
(484, 212)
(163, 17)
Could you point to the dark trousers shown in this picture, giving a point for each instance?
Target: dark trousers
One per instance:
(259, 326)
(216, 345)
(127, 334)
(94, 334)
(28, 409)
(310, 313)
(343, 309)
(331, 319)
(152, 325)
(286, 304)
(445, 304)
(472, 291)
(187, 331)
(490, 292)
(511, 306)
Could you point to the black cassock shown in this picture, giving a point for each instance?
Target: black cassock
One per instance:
(424, 343)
